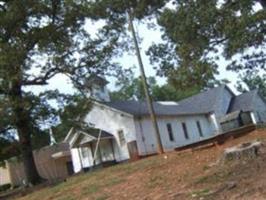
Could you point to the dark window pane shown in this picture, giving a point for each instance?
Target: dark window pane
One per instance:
(122, 138)
(199, 129)
(184, 126)
(170, 132)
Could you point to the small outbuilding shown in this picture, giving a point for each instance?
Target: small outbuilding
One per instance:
(53, 163)
(4, 176)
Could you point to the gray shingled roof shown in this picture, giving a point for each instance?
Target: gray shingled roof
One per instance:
(81, 138)
(229, 117)
(201, 103)
(96, 132)
(243, 102)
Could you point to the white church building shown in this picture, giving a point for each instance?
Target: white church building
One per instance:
(122, 130)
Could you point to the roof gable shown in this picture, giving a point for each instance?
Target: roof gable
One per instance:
(244, 102)
(202, 103)
(79, 137)
(206, 101)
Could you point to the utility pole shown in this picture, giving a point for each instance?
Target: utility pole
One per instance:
(145, 85)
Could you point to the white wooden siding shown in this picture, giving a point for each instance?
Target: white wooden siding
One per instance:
(76, 160)
(146, 138)
(112, 121)
(142, 130)
(4, 176)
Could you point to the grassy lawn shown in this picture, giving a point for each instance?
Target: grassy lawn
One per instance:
(174, 175)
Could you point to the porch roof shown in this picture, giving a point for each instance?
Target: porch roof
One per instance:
(230, 116)
(61, 154)
(96, 132)
(80, 138)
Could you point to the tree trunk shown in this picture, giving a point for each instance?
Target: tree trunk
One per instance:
(23, 125)
(32, 176)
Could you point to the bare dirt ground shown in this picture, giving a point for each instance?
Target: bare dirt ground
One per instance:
(175, 175)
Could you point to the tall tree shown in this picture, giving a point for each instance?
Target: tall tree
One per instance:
(71, 115)
(130, 88)
(199, 32)
(252, 81)
(39, 40)
(8, 148)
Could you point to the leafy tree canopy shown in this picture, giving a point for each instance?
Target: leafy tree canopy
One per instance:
(115, 10)
(71, 115)
(197, 33)
(130, 88)
(253, 81)
(115, 14)
(38, 41)
(8, 148)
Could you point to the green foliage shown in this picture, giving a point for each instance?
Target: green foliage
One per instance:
(115, 14)
(40, 113)
(197, 33)
(253, 80)
(39, 40)
(5, 187)
(115, 10)
(71, 116)
(8, 148)
(169, 93)
(131, 88)
(40, 138)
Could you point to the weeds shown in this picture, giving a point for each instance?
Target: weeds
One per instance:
(200, 193)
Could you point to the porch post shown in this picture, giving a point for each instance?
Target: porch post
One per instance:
(92, 153)
(253, 118)
(80, 159)
(97, 145)
(215, 123)
(100, 153)
(112, 145)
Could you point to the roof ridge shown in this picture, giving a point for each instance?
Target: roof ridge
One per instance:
(231, 104)
(254, 92)
(248, 92)
(221, 87)
(203, 102)
(243, 101)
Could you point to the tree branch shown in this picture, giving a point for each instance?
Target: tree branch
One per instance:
(2, 7)
(43, 79)
(218, 41)
(4, 130)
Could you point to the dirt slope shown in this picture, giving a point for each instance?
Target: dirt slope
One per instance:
(175, 175)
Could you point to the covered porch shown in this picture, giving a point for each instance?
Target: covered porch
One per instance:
(92, 149)
(236, 120)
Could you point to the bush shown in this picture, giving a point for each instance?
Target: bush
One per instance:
(5, 187)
